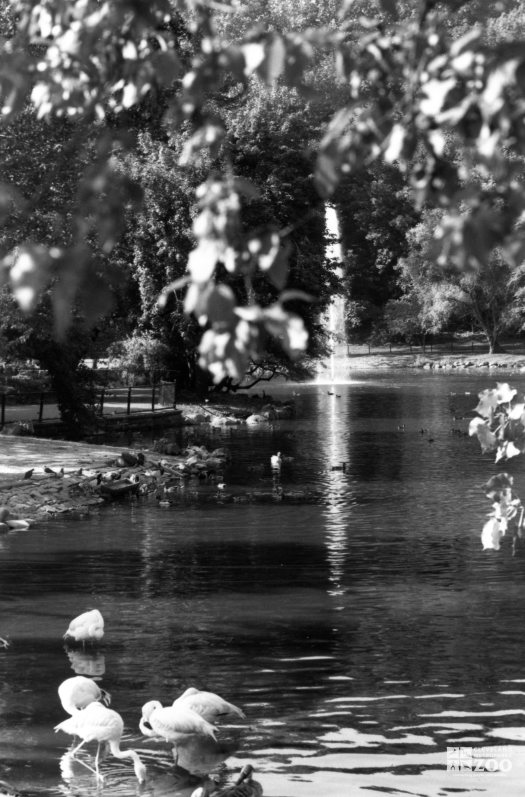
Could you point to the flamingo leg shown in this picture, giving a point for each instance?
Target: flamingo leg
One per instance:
(90, 768)
(77, 748)
(96, 763)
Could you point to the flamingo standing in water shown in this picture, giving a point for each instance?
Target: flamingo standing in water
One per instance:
(78, 692)
(176, 724)
(87, 627)
(210, 706)
(96, 723)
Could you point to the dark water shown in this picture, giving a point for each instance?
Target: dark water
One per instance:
(362, 633)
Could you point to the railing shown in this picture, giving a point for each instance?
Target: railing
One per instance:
(42, 406)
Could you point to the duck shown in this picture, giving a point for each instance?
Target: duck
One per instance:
(78, 692)
(244, 786)
(86, 628)
(342, 467)
(276, 461)
(208, 705)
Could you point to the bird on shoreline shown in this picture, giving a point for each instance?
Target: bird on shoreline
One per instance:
(96, 723)
(78, 692)
(209, 706)
(87, 627)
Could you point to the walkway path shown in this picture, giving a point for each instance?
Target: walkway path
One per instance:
(20, 454)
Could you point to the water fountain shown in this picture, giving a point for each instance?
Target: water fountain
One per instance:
(334, 317)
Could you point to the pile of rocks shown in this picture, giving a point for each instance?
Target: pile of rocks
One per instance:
(274, 411)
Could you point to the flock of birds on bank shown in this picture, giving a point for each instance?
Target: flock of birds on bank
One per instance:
(193, 714)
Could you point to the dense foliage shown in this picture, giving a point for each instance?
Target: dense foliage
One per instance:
(259, 114)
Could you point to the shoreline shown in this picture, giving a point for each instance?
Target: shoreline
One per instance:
(431, 361)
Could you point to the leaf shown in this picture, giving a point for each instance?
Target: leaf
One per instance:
(504, 393)
(516, 411)
(474, 426)
(287, 327)
(394, 143)
(487, 439)
(254, 55)
(492, 533)
(273, 65)
(272, 257)
(327, 173)
(167, 66)
(488, 402)
(499, 482)
(202, 261)
(217, 306)
(507, 450)
(435, 93)
(29, 273)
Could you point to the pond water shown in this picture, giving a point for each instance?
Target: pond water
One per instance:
(362, 633)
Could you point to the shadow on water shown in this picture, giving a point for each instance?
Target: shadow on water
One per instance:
(362, 634)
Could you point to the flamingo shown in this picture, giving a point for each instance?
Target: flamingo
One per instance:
(174, 723)
(276, 461)
(78, 692)
(87, 627)
(96, 723)
(208, 705)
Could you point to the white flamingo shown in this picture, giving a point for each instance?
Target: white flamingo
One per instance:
(176, 724)
(96, 723)
(210, 706)
(87, 627)
(78, 692)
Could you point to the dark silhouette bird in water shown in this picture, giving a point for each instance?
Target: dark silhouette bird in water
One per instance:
(423, 431)
(401, 427)
(430, 439)
(330, 393)
(342, 467)
(244, 786)
(28, 473)
(338, 395)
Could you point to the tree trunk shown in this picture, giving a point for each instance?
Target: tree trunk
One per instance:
(495, 347)
(71, 396)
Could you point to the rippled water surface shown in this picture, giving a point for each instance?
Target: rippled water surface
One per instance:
(362, 632)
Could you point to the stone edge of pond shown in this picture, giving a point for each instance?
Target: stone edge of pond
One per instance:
(473, 363)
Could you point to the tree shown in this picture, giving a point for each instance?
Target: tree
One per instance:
(375, 214)
(410, 92)
(489, 297)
